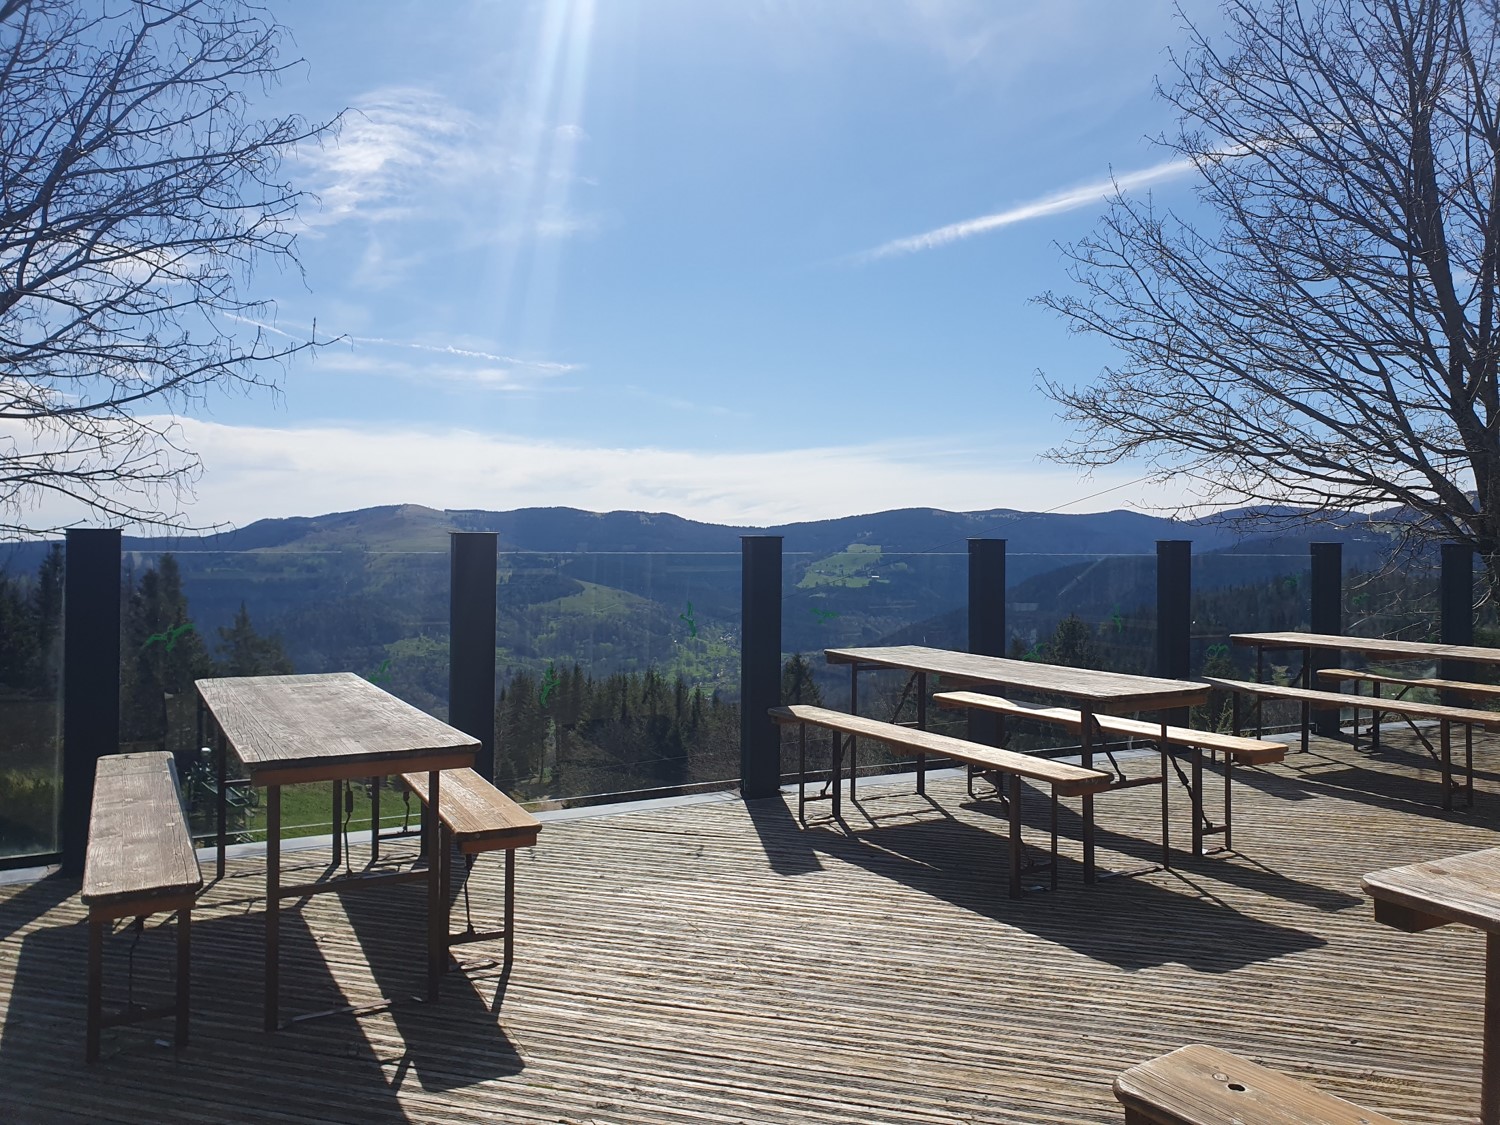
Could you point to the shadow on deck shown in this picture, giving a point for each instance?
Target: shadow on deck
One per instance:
(716, 961)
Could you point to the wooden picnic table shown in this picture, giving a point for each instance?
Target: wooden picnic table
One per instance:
(1367, 646)
(1462, 888)
(1090, 690)
(330, 727)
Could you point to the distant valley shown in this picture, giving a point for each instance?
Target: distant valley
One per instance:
(622, 591)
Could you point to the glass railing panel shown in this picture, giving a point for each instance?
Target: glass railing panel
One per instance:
(192, 614)
(1241, 592)
(31, 583)
(862, 597)
(1086, 611)
(619, 672)
(1396, 603)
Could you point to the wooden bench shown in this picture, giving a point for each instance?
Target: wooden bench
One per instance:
(1407, 709)
(140, 861)
(476, 817)
(1405, 683)
(1201, 1085)
(1235, 748)
(1065, 780)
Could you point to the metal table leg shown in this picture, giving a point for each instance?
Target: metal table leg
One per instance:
(437, 933)
(273, 904)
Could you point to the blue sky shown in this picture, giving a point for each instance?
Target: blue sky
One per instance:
(748, 262)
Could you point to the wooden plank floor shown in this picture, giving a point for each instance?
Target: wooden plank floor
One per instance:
(714, 963)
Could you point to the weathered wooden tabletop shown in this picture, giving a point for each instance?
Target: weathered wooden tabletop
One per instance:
(1371, 646)
(328, 726)
(1461, 888)
(1119, 690)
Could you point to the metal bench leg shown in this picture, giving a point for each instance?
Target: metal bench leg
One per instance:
(1228, 807)
(338, 823)
(838, 781)
(1197, 800)
(445, 877)
(1054, 837)
(1469, 765)
(1445, 742)
(1086, 756)
(921, 725)
(96, 987)
(1015, 834)
(184, 973)
(1166, 825)
(510, 904)
(802, 774)
(375, 819)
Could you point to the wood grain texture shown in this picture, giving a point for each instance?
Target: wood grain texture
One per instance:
(138, 847)
(1371, 646)
(1460, 888)
(1478, 691)
(1116, 691)
(712, 962)
(325, 727)
(480, 816)
(1069, 780)
(1201, 1085)
(1250, 751)
(1490, 720)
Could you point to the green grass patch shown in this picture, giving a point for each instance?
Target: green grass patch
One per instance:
(852, 568)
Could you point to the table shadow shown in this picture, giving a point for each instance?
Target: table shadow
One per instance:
(1234, 867)
(781, 837)
(230, 1066)
(1128, 922)
(1305, 776)
(458, 1041)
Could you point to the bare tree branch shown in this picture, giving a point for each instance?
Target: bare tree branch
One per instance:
(137, 193)
(1328, 339)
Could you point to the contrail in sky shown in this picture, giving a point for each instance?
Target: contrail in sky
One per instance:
(1052, 204)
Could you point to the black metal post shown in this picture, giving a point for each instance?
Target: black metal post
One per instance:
(760, 665)
(1174, 616)
(91, 677)
(471, 641)
(1325, 615)
(986, 623)
(1456, 601)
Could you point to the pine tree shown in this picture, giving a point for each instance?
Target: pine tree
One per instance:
(244, 652)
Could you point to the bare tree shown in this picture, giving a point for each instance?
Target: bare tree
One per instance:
(1330, 336)
(137, 191)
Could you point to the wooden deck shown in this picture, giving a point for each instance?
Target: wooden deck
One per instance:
(714, 963)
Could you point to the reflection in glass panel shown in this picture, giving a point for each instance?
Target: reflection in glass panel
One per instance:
(31, 586)
(619, 672)
(199, 613)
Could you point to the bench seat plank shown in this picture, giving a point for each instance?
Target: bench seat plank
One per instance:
(1464, 687)
(1069, 780)
(1201, 1085)
(480, 817)
(1489, 720)
(139, 848)
(1250, 751)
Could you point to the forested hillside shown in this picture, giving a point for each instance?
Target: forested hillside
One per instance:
(618, 635)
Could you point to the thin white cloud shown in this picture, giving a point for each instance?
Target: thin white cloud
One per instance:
(254, 472)
(473, 366)
(405, 154)
(1053, 204)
